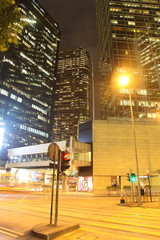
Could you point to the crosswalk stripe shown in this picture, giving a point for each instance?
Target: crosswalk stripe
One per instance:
(10, 232)
(131, 224)
(123, 228)
(110, 234)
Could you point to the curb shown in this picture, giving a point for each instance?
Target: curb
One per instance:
(47, 232)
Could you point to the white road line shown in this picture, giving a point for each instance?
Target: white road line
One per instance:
(4, 196)
(10, 232)
(22, 199)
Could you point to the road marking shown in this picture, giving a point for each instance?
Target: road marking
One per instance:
(131, 224)
(95, 234)
(10, 232)
(140, 214)
(123, 228)
(110, 234)
(22, 199)
(4, 196)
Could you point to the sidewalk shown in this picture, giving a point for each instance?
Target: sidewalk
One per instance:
(153, 204)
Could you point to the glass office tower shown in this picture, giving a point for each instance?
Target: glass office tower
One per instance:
(27, 77)
(73, 96)
(129, 43)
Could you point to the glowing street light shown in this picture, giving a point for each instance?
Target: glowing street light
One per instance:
(1, 134)
(124, 81)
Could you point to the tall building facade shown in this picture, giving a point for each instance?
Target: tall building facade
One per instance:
(129, 43)
(27, 79)
(73, 96)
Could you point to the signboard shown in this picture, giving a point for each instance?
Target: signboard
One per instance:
(85, 184)
(53, 151)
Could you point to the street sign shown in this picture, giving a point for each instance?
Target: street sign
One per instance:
(54, 156)
(53, 151)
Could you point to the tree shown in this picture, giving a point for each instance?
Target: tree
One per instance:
(11, 24)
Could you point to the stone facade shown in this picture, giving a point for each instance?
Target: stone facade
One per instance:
(114, 153)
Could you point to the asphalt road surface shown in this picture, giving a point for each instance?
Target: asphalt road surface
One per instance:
(100, 218)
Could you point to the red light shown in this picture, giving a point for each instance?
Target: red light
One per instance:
(66, 156)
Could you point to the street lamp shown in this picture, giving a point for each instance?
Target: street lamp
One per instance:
(1, 133)
(124, 81)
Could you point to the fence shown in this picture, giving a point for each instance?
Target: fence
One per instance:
(146, 198)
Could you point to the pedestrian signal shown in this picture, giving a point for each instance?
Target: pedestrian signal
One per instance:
(133, 177)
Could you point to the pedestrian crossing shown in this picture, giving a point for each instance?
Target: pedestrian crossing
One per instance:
(98, 220)
(7, 234)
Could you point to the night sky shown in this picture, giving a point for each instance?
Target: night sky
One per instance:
(76, 20)
(77, 23)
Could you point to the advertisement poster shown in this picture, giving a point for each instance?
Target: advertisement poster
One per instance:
(85, 184)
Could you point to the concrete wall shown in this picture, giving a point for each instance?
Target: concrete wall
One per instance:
(114, 153)
(33, 149)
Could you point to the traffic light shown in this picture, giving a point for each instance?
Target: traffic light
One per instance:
(133, 177)
(128, 177)
(65, 160)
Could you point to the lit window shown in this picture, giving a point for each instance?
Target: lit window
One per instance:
(131, 23)
(114, 21)
(4, 92)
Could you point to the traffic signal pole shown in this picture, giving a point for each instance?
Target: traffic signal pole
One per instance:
(136, 152)
(60, 159)
(57, 190)
(132, 190)
(52, 193)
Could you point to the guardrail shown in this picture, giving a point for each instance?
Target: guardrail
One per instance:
(146, 198)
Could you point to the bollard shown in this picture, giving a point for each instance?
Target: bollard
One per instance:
(122, 201)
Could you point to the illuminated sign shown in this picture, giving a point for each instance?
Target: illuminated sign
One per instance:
(85, 184)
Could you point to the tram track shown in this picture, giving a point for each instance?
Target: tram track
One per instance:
(145, 230)
(123, 215)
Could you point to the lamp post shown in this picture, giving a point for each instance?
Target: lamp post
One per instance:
(1, 134)
(123, 81)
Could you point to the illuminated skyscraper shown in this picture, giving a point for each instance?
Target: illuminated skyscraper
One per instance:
(27, 79)
(73, 98)
(129, 43)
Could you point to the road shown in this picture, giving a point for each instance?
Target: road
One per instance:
(100, 218)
